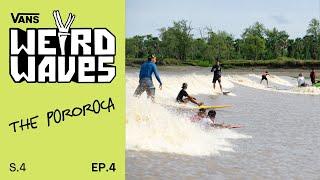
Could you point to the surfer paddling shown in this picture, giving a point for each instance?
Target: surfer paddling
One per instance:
(145, 78)
(210, 119)
(184, 97)
(199, 116)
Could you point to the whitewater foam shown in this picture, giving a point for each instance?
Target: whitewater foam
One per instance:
(163, 127)
(286, 86)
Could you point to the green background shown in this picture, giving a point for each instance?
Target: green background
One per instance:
(65, 150)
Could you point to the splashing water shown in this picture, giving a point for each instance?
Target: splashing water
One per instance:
(278, 84)
(163, 127)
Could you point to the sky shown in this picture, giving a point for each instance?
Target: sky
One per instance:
(148, 16)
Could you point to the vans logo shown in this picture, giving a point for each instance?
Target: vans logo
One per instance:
(25, 17)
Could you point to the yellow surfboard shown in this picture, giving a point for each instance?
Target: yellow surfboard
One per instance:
(213, 107)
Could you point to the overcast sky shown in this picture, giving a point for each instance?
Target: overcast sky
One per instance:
(147, 16)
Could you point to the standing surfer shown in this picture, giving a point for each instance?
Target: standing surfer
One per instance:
(216, 69)
(145, 78)
(264, 77)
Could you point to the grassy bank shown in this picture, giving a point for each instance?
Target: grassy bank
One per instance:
(276, 63)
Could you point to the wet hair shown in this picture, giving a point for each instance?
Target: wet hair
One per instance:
(184, 85)
(151, 56)
(212, 114)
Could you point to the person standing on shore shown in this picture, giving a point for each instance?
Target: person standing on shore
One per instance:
(216, 69)
(145, 78)
(313, 76)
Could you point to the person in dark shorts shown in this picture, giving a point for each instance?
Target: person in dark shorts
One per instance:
(184, 97)
(216, 69)
(313, 76)
(264, 77)
(145, 78)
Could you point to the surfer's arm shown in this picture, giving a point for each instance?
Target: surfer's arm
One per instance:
(157, 74)
(213, 68)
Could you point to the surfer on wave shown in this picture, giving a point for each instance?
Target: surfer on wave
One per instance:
(209, 120)
(184, 97)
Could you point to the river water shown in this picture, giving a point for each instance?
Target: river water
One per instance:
(280, 138)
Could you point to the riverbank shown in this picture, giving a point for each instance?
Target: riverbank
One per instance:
(277, 63)
(172, 70)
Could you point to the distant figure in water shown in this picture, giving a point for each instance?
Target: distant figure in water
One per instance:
(301, 81)
(216, 69)
(184, 97)
(313, 76)
(145, 78)
(264, 77)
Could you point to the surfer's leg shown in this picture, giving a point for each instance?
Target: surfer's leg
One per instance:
(150, 89)
(214, 82)
(140, 89)
(195, 102)
(219, 80)
(151, 93)
(185, 100)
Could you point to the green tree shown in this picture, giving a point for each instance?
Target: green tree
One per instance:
(220, 45)
(276, 43)
(299, 49)
(314, 28)
(151, 45)
(253, 46)
(238, 49)
(198, 49)
(257, 29)
(135, 47)
(176, 40)
(314, 43)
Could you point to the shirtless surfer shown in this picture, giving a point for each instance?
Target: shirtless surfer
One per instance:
(264, 77)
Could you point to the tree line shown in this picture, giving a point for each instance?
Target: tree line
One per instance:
(256, 43)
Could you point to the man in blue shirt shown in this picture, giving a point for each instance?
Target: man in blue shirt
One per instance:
(145, 78)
